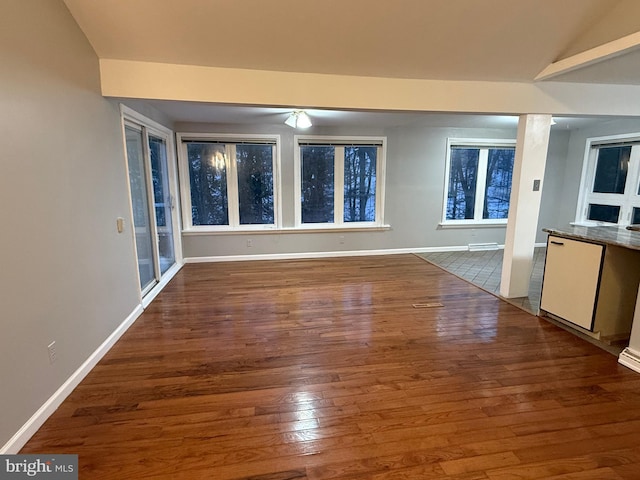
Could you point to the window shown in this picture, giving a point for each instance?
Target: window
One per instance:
(229, 182)
(610, 191)
(478, 175)
(339, 181)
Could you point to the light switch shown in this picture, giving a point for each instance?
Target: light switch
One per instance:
(120, 224)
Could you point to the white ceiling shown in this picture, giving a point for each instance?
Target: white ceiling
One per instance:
(198, 112)
(510, 40)
(496, 40)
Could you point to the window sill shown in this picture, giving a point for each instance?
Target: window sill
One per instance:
(445, 225)
(302, 229)
(589, 223)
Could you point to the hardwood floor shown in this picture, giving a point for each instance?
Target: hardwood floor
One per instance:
(323, 369)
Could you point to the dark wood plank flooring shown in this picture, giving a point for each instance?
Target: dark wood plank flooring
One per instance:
(323, 369)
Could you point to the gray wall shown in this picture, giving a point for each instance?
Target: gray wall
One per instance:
(414, 196)
(66, 273)
(553, 183)
(414, 191)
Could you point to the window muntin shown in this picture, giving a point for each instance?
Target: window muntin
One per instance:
(339, 181)
(609, 189)
(229, 181)
(479, 176)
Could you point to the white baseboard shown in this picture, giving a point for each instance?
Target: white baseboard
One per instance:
(347, 253)
(166, 278)
(630, 359)
(304, 255)
(32, 425)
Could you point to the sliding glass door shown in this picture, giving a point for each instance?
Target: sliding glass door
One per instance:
(140, 204)
(163, 202)
(151, 201)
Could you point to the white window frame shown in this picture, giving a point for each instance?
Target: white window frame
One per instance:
(232, 182)
(338, 212)
(628, 200)
(484, 144)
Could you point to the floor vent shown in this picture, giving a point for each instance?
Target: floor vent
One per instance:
(476, 247)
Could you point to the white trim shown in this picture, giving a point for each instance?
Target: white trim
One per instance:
(381, 173)
(144, 121)
(338, 192)
(123, 128)
(600, 53)
(473, 224)
(32, 425)
(626, 201)
(630, 359)
(233, 218)
(380, 142)
(157, 288)
(308, 228)
(347, 253)
(148, 127)
(483, 144)
(481, 182)
(305, 255)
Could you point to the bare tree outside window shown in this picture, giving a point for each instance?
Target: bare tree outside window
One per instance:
(360, 183)
(254, 164)
(498, 186)
(479, 183)
(317, 194)
(208, 181)
(463, 175)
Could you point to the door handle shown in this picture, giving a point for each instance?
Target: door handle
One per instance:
(557, 243)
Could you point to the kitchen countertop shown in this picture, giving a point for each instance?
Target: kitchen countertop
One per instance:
(613, 235)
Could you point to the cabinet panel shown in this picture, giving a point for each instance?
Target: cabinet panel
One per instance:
(571, 277)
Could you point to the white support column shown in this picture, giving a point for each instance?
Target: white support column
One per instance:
(524, 206)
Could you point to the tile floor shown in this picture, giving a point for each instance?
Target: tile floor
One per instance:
(484, 268)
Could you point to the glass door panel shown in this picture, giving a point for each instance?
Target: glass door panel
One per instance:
(140, 205)
(162, 202)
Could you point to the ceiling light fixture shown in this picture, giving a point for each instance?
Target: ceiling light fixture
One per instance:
(298, 119)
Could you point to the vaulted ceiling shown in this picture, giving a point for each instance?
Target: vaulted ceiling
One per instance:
(527, 41)
(510, 40)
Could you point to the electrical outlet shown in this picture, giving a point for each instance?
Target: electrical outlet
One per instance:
(341, 239)
(249, 243)
(52, 352)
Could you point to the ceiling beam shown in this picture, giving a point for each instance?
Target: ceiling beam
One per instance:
(232, 86)
(592, 56)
